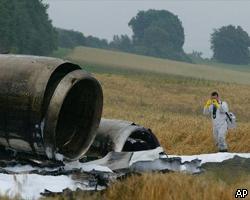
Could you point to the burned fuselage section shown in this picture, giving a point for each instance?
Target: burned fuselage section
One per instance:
(50, 112)
(47, 106)
(50, 107)
(122, 136)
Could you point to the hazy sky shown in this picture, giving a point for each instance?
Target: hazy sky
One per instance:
(104, 18)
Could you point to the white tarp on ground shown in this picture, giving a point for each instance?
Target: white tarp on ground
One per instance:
(30, 185)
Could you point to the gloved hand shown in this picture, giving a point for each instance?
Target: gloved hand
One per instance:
(209, 102)
(215, 102)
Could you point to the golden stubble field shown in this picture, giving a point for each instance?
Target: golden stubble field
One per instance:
(160, 94)
(172, 108)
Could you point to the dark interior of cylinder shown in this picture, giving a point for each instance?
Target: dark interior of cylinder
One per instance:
(77, 118)
(54, 80)
(140, 140)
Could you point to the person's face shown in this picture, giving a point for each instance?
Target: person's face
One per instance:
(215, 97)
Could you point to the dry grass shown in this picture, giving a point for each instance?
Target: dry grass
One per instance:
(130, 61)
(172, 107)
(173, 110)
(174, 187)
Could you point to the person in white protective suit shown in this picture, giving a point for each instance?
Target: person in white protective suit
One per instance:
(218, 109)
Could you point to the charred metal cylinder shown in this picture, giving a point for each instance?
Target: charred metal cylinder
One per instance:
(48, 106)
(121, 136)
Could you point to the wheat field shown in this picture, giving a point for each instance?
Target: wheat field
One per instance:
(119, 60)
(172, 108)
(168, 97)
(170, 101)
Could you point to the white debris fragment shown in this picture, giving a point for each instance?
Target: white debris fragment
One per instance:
(213, 157)
(59, 157)
(26, 169)
(29, 186)
(148, 155)
(42, 125)
(49, 152)
(86, 167)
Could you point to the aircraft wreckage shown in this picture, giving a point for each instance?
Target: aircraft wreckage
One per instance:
(53, 108)
(51, 129)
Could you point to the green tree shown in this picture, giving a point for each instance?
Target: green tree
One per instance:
(70, 38)
(123, 43)
(6, 35)
(230, 44)
(158, 33)
(25, 27)
(95, 42)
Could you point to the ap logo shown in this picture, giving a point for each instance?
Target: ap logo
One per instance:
(241, 193)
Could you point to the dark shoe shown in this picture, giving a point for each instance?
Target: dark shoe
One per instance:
(223, 150)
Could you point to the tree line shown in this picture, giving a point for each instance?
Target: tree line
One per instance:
(160, 33)
(25, 28)
(156, 33)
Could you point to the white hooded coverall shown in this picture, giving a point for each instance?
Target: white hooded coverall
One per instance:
(219, 124)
